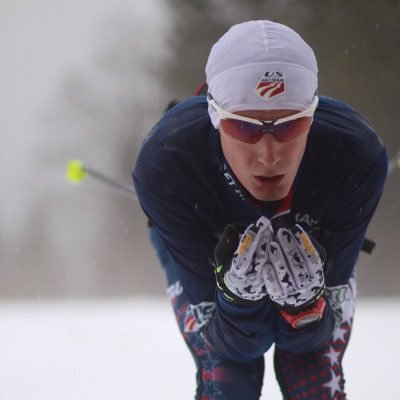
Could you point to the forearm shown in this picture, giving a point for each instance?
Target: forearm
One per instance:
(238, 332)
(290, 269)
(243, 333)
(308, 339)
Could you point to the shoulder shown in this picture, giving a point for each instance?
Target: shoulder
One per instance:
(179, 158)
(180, 137)
(341, 135)
(344, 156)
(186, 124)
(336, 121)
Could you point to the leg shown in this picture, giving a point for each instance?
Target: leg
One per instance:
(217, 379)
(320, 375)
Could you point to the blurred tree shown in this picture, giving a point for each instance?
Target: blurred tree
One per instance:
(197, 24)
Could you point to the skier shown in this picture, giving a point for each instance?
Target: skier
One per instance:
(259, 195)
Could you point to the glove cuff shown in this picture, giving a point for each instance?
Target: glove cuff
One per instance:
(306, 316)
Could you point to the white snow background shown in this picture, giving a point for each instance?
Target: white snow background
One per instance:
(131, 349)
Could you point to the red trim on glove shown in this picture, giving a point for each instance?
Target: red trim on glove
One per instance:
(303, 318)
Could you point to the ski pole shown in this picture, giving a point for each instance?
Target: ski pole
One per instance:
(77, 171)
(394, 163)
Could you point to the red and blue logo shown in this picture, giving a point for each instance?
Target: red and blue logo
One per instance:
(197, 316)
(271, 84)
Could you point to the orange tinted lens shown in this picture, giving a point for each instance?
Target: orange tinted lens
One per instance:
(242, 130)
(292, 129)
(251, 133)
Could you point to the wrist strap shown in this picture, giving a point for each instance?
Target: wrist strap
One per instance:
(306, 316)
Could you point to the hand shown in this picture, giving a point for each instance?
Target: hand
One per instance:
(240, 262)
(294, 272)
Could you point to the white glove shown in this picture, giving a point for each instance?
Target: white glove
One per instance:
(240, 276)
(294, 272)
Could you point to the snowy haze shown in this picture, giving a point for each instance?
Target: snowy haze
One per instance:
(42, 43)
(131, 349)
(65, 94)
(87, 79)
(123, 348)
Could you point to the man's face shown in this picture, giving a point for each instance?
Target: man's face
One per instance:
(267, 168)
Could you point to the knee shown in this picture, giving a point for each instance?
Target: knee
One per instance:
(236, 380)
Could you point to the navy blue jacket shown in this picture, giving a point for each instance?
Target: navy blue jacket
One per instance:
(190, 194)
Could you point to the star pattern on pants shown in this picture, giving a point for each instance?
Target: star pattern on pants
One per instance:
(333, 355)
(339, 333)
(334, 385)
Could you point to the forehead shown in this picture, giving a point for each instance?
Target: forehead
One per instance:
(266, 115)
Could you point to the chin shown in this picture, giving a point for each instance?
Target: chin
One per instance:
(272, 197)
(275, 196)
(269, 191)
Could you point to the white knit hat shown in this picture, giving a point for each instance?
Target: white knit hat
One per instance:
(261, 65)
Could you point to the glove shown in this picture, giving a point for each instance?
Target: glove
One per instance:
(240, 261)
(294, 276)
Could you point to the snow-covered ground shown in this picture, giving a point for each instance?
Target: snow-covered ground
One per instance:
(131, 349)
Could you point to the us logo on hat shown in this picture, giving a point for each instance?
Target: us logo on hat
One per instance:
(271, 84)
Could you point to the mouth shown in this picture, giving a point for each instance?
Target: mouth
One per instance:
(269, 180)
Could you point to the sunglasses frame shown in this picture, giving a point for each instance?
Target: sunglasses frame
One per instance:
(309, 112)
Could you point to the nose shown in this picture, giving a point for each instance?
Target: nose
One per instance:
(268, 151)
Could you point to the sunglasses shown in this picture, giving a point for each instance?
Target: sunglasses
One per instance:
(250, 130)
